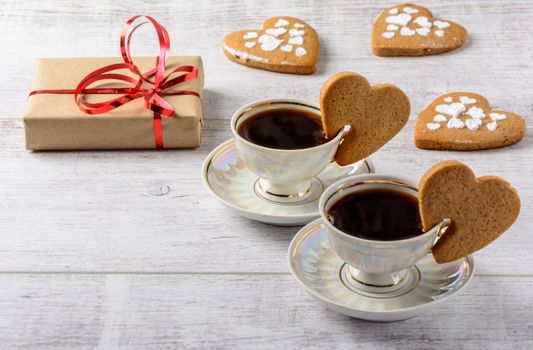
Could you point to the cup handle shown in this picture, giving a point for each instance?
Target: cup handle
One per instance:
(368, 163)
(442, 226)
(344, 131)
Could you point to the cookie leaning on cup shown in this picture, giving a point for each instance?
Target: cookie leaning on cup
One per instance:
(376, 113)
(480, 209)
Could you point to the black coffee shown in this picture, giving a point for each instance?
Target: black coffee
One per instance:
(283, 129)
(377, 214)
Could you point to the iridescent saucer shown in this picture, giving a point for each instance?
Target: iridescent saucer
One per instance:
(226, 176)
(324, 275)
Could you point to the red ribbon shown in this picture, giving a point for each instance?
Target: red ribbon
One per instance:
(159, 86)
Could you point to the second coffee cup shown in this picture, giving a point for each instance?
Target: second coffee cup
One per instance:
(382, 260)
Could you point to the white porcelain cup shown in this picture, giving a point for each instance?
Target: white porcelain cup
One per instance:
(284, 173)
(376, 263)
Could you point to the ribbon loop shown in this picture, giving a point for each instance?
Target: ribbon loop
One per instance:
(152, 94)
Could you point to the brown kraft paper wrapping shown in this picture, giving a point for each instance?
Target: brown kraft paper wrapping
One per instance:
(54, 121)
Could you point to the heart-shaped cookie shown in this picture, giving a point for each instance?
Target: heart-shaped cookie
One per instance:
(480, 209)
(463, 121)
(284, 44)
(411, 30)
(375, 113)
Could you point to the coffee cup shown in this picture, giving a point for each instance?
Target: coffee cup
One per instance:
(376, 265)
(283, 174)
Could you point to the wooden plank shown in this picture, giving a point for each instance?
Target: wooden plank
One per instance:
(243, 311)
(148, 211)
(494, 57)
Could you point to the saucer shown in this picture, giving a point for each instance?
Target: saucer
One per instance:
(322, 273)
(226, 176)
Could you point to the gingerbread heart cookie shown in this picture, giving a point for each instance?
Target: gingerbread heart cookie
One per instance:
(411, 30)
(376, 113)
(480, 209)
(463, 121)
(284, 44)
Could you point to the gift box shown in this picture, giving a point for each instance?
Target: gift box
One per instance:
(115, 103)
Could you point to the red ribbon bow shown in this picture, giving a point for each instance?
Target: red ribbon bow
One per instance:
(152, 95)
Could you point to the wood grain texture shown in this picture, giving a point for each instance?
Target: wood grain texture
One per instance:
(128, 250)
(131, 211)
(272, 312)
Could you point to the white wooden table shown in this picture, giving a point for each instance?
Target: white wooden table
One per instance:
(128, 250)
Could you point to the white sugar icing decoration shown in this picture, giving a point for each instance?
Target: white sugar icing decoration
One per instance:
(296, 40)
(269, 43)
(249, 44)
(402, 19)
(388, 35)
(453, 109)
(296, 32)
(475, 112)
(439, 118)
(441, 24)
(405, 31)
(497, 116)
(492, 126)
(433, 126)
(439, 33)
(423, 21)
(276, 31)
(281, 22)
(250, 35)
(423, 31)
(392, 27)
(300, 51)
(298, 25)
(286, 48)
(467, 100)
(245, 55)
(393, 11)
(448, 99)
(409, 10)
(455, 123)
(473, 124)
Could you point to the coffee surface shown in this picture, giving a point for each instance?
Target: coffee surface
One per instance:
(377, 214)
(283, 129)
